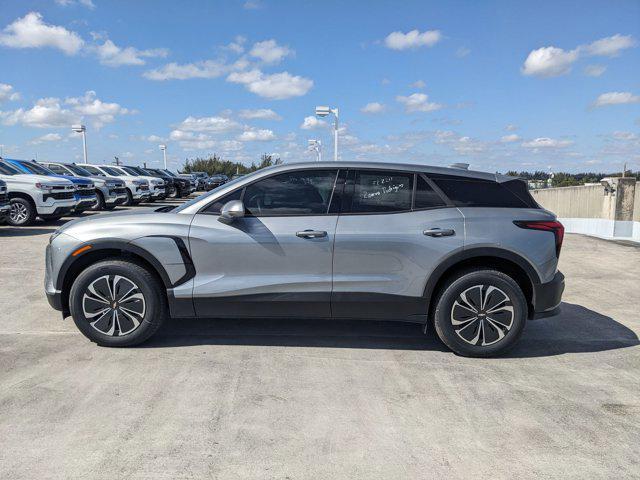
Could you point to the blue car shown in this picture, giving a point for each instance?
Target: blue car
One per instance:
(85, 193)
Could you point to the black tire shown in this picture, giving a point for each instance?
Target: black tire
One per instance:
(100, 204)
(485, 336)
(109, 207)
(22, 213)
(150, 311)
(129, 202)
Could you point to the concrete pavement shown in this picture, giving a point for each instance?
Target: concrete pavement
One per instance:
(301, 399)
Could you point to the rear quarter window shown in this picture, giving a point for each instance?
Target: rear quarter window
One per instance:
(475, 192)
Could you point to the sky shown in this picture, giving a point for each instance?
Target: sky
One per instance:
(501, 85)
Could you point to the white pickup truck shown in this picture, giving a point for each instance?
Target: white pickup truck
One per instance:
(32, 196)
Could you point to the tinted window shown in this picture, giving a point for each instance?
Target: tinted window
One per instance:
(7, 169)
(217, 205)
(93, 170)
(78, 170)
(35, 168)
(302, 192)
(58, 169)
(381, 191)
(426, 197)
(473, 192)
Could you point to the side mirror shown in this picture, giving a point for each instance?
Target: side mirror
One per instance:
(230, 211)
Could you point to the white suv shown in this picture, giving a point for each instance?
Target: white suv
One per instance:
(34, 196)
(137, 187)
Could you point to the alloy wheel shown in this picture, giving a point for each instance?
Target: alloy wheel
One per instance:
(482, 315)
(113, 305)
(19, 213)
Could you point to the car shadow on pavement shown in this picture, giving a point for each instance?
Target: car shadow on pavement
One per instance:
(576, 329)
(6, 231)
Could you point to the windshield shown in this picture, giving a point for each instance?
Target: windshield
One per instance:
(78, 170)
(169, 172)
(206, 195)
(155, 173)
(131, 171)
(6, 169)
(113, 171)
(36, 168)
(93, 170)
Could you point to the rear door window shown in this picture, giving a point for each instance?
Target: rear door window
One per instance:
(381, 191)
(426, 196)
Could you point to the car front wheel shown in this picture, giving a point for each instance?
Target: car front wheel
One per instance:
(22, 212)
(480, 313)
(117, 303)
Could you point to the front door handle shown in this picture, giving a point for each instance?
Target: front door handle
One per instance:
(439, 232)
(311, 234)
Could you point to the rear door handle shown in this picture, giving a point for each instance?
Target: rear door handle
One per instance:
(439, 232)
(311, 234)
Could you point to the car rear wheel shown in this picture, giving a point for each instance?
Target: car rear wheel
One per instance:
(480, 313)
(117, 303)
(22, 212)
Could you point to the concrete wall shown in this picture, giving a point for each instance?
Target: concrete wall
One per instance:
(572, 202)
(612, 212)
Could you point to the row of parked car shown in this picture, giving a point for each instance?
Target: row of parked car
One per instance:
(51, 190)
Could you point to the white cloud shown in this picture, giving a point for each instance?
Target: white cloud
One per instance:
(412, 39)
(373, 108)
(553, 61)
(276, 86)
(31, 32)
(254, 135)
(312, 123)
(624, 136)
(55, 113)
(270, 52)
(208, 124)
(610, 46)
(511, 128)
(462, 52)
(252, 5)
(155, 139)
(510, 138)
(85, 3)
(175, 71)
(49, 137)
(259, 114)
(7, 93)
(616, 98)
(594, 70)
(418, 84)
(418, 102)
(547, 143)
(549, 62)
(237, 46)
(113, 56)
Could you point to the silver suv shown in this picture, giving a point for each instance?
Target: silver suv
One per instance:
(470, 252)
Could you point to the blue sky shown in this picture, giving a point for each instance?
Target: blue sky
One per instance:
(499, 85)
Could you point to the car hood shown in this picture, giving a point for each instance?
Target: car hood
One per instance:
(30, 179)
(126, 225)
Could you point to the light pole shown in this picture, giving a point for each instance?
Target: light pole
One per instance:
(164, 154)
(316, 146)
(323, 112)
(83, 130)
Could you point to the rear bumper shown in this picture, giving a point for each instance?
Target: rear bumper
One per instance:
(547, 297)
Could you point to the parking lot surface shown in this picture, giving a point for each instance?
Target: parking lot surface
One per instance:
(315, 399)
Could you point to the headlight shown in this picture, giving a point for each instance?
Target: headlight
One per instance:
(111, 185)
(139, 182)
(44, 186)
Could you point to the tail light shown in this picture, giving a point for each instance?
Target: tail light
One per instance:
(554, 226)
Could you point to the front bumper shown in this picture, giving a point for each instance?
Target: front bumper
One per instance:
(85, 203)
(547, 297)
(158, 193)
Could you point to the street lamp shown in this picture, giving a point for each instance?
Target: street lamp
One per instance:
(316, 146)
(323, 112)
(164, 154)
(83, 130)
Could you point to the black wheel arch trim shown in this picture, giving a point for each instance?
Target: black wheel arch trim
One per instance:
(127, 246)
(478, 252)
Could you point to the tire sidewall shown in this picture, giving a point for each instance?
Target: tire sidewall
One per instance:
(451, 292)
(149, 287)
(100, 204)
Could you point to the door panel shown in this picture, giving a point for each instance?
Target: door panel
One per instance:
(258, 266)
(382, 261)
